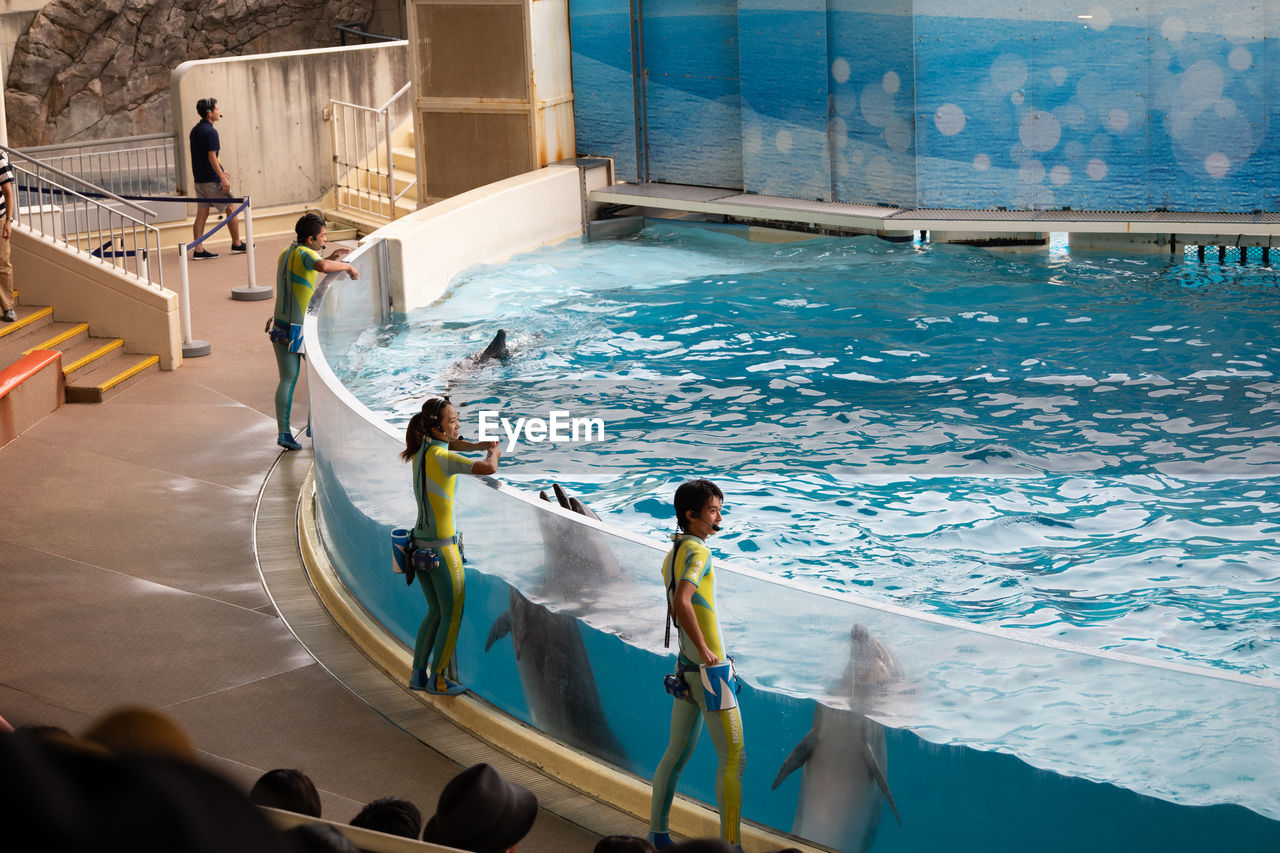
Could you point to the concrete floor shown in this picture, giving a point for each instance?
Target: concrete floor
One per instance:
(128, 575)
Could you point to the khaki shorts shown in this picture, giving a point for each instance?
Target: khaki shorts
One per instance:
(212, 189)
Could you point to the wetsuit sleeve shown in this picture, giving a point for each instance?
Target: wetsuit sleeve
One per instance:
(695, 563)
(454, 463)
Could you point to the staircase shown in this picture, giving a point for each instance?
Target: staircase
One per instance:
(94, 368)
(363, 197)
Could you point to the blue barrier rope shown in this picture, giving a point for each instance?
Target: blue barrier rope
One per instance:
(89, 194)
(223, 224)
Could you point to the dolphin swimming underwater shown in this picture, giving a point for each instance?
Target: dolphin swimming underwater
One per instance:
(555, 671)
(844, 756)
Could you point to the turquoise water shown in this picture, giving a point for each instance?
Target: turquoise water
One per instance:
(1079, 447)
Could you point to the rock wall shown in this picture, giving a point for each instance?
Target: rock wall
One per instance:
(95, 69)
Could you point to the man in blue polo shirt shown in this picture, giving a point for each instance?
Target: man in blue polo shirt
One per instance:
(211, 180)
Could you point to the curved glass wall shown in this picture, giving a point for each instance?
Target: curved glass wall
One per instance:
(986, 742)
(937, 103)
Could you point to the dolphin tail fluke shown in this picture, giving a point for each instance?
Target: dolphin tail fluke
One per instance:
(543, 495)
(878, 773)
(501, 628)
(797, 758)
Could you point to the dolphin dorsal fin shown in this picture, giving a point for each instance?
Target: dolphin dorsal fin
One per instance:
(797, 758)
(874, 767)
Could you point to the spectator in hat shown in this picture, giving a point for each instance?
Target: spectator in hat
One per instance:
(481, 812)
(291, 790)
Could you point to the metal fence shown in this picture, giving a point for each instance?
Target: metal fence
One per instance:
(85, 218)
(363, 160)
(127, 165)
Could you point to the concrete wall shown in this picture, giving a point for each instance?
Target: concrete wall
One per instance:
(484, 226)
(277, 139)
(112, 303)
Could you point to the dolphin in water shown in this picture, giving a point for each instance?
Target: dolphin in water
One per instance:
(555, 671)
(844, 756)
(497, 349)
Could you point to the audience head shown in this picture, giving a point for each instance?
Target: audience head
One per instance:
(391, 815)
(204, 106)
(319, 838)
(481, 812)
(77, 800)
(290, 790)
(141, 731)
(624, 844)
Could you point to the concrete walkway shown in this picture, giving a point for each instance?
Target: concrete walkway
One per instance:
(128, 575)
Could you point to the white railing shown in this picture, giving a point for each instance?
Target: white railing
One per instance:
(128, 166)
(364, 169)
(85, 218)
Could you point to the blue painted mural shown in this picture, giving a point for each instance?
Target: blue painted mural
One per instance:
(938, 103)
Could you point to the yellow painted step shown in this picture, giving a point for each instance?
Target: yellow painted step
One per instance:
(22, 322)
(89, 358)
(57, 340)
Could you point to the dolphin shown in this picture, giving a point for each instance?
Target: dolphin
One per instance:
(555, 671)
(844, 756)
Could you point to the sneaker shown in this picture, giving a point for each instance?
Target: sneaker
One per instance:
(287, 441)
(418, 679)
(239, 247)
(308, 429)
(660, 840)
(202, 255)
(9, 316)
(444, 687)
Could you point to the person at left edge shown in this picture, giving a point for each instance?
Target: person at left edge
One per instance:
(7, 210)
(210, 178)
(295, 283)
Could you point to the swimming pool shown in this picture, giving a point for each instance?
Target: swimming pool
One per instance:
(1080, 447)
(989, 736)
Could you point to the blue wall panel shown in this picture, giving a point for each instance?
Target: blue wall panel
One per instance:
(872, 82)
(603, 100)
(783, 63)
(694, 119)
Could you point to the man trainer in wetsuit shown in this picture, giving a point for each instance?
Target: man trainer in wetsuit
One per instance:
(691, 595)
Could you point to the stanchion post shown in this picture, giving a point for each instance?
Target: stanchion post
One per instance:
(190, 348)
(251, 292)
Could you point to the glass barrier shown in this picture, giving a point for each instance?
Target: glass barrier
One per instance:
(867, 726)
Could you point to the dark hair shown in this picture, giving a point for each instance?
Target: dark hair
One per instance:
(692, 497)
(421, 424)
(623, 844)
(204, 106)
(391, 815)
(308, 225)
(291, 790)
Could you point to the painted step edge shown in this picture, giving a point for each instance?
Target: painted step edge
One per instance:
(53, 342)
(96, 393)
(84, 360)
(10, 328)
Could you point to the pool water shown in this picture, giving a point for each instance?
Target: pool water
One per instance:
(1076, 446)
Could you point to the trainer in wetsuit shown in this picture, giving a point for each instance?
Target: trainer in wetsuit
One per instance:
(690, 582)
(430, 439)
(295, 283)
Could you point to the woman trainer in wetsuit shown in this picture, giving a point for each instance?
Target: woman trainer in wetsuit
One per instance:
(430, 442)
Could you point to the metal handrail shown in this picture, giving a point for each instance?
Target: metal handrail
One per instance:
(357, 28)
(363, 157)
(79, 219)
(132, 165)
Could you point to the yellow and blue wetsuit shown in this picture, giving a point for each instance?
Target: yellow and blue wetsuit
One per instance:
(295, 284)
(690, 561)
(436, 469)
